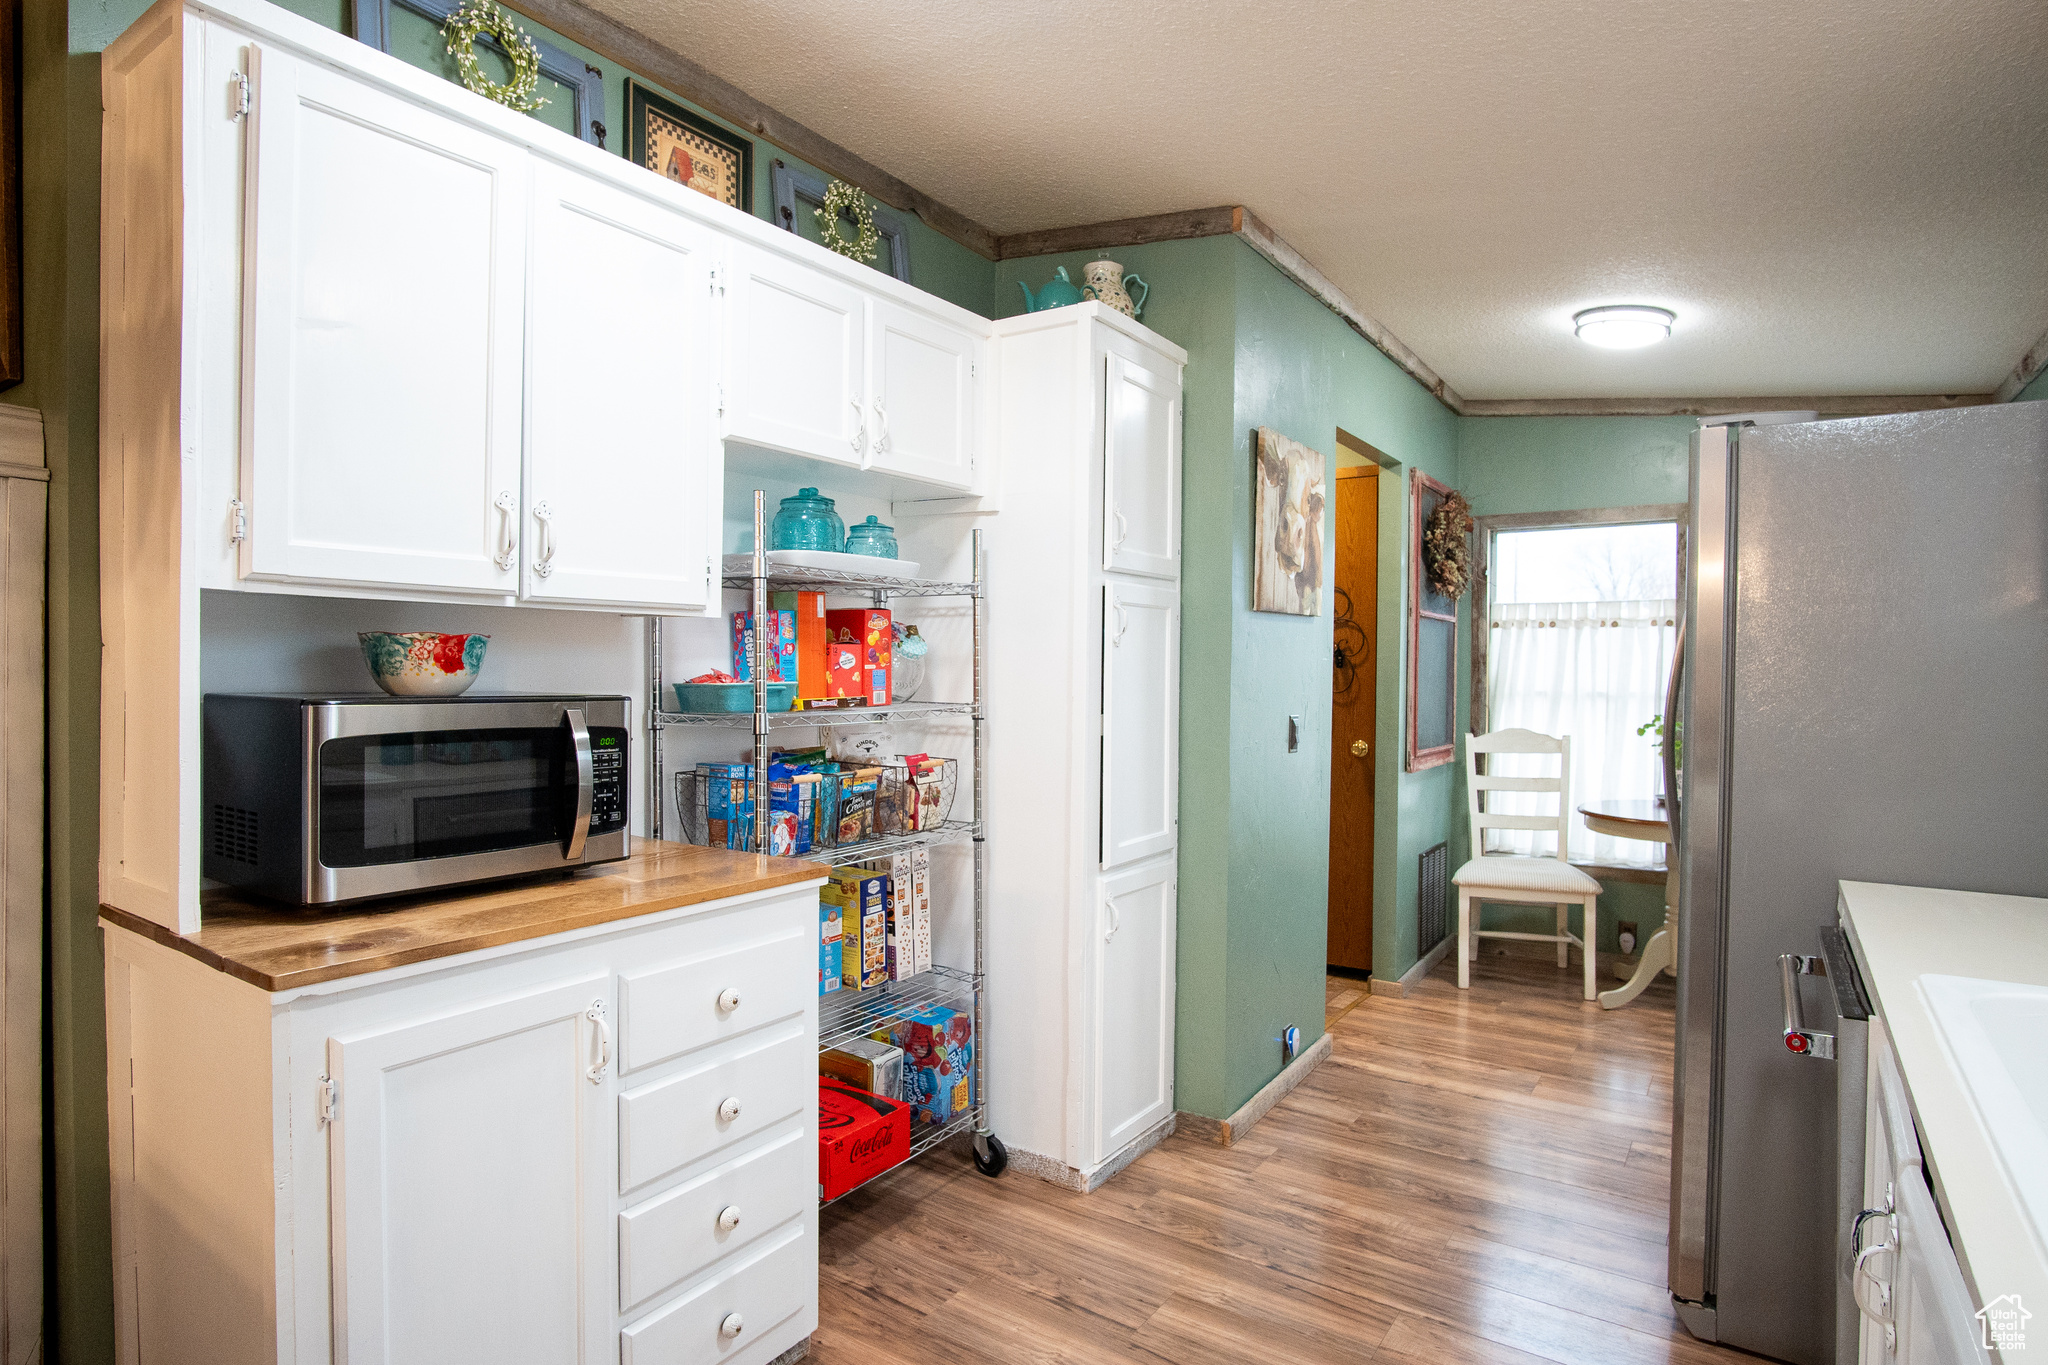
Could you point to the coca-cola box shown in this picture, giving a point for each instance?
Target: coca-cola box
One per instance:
(859, 1136)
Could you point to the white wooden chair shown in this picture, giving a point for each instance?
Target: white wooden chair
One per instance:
(1524, 881)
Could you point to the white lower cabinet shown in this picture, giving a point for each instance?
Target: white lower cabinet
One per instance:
(440, 1163)
(1133, 1033)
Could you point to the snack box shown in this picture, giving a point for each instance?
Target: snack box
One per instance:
(864, 896)
(857, 793)
(910, 919)
(729, 804)
(782, 661)
(938, 1061)
(875, 1067)
(792, 799)
(867, 630)
(921, 908)
(860, 1135)
(808, 609)
(831, 943)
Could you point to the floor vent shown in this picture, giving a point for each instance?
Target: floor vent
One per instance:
(1433, 899)
(234, 834)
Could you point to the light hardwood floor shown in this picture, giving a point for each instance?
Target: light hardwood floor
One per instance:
(1472, 1176)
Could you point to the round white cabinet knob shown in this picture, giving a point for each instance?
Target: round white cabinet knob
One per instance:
(728, 1217)
(728, 1000)
(729, 1110)
(731, 1325)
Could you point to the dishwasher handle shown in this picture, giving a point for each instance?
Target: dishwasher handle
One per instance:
(1798, 1037)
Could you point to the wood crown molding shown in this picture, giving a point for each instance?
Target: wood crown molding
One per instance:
(635, 50)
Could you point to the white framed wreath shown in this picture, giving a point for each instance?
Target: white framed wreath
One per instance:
(840, 198)
(483, 19)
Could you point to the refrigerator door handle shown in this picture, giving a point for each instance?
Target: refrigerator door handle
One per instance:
(1673, 738)
(1798, 1037)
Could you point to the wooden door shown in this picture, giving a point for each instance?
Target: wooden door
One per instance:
(623, 471)
(921, 385)
(1132, 1029)
(386, 261)
(1140, 470)
(1140, 721)
(469, 1185)
(795, 359)
(1353, 706)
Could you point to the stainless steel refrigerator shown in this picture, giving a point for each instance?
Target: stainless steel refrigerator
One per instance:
(1864, 686)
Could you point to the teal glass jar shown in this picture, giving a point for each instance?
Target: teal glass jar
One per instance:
(807, 522)
(870, 537)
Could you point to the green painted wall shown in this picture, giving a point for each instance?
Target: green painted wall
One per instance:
(2034, 392)
(1561, 464)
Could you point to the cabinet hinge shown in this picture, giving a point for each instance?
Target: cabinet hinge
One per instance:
(239, 99)
(238, 522)
(721, 400)
(717, 286)
(329, 1100)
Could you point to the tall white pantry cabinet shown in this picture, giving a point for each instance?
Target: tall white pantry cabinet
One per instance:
(1084, 704)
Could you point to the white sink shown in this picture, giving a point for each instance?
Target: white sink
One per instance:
(1994, 1032)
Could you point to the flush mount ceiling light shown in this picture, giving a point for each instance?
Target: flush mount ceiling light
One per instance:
(1623, 327)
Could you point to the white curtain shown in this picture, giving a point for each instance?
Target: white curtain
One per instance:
(1593, 671)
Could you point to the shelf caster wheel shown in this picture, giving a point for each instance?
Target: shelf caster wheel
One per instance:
(990, 1156)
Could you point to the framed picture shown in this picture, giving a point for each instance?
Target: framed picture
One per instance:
(411, 29)
(799, 193)
(1287, 502)
(1432, 641)
(673, 142)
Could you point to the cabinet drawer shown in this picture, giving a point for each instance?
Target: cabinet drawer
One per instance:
(766, 1291)
(679, 1120)
(674, 1235)
(668, 1010)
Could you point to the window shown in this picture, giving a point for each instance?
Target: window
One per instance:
(1579, 627)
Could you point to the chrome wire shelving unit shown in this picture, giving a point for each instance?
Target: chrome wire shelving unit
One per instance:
(846, 1015)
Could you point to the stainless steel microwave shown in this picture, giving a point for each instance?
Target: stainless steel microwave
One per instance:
(320, 800)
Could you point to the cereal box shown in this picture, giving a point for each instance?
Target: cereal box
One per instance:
(866, 631)
(864, 895)
(808, 608)
(782, 651)
(831, 965)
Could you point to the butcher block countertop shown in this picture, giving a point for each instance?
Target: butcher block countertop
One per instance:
(277, 948)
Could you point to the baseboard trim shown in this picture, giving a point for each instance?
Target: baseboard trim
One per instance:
(793, 1354)
(1054, 1171)
(1224, 1132)
(1414, 975)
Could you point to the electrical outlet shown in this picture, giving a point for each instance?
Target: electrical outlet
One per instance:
(1293, 734)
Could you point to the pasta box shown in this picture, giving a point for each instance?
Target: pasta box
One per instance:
(859, 1136)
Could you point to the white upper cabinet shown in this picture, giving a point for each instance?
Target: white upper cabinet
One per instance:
(1140, 721)
(921, 375)
(795, 370)
(385, 266)
(1141, 470)
(623, 472)
(469, 1182)
(1132, 1031)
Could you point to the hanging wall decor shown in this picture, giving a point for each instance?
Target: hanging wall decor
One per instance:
(673, 142)
(845, 201)
(1445, 548)
(1287, 559)
(483, 19)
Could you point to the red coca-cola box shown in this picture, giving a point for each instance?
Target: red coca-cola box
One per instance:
(859, 1136)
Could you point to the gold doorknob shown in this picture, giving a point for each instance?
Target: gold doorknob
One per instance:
(1360, 748)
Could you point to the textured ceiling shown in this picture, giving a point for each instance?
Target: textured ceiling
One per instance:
(1833, 197)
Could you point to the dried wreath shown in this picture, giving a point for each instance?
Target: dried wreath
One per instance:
(1445, 555)
(844, 198)
(483, 19)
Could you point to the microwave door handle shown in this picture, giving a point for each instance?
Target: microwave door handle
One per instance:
(579, 827)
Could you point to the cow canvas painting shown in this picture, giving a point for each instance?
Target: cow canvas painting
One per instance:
(1287, 551)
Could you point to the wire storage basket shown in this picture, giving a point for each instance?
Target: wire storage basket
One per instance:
(815, 812)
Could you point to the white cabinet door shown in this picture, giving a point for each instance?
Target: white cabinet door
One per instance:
(1140, 470)
(469, 1186)
(623, 473)
(921, 385)
(796, 341)
(1132, 1031)
(1140, 721)
(385, 258)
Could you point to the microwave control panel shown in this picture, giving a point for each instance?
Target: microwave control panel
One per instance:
(608, 779)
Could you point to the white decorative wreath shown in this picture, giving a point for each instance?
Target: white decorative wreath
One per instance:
(844, 198)
(482, 18)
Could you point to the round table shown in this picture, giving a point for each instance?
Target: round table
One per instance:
(1648, 821)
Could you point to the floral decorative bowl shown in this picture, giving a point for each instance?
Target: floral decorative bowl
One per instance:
(423, 663)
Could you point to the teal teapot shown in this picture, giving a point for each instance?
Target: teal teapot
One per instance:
(1054, 293)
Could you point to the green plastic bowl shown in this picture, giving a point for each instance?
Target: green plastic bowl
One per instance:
(712, 698)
